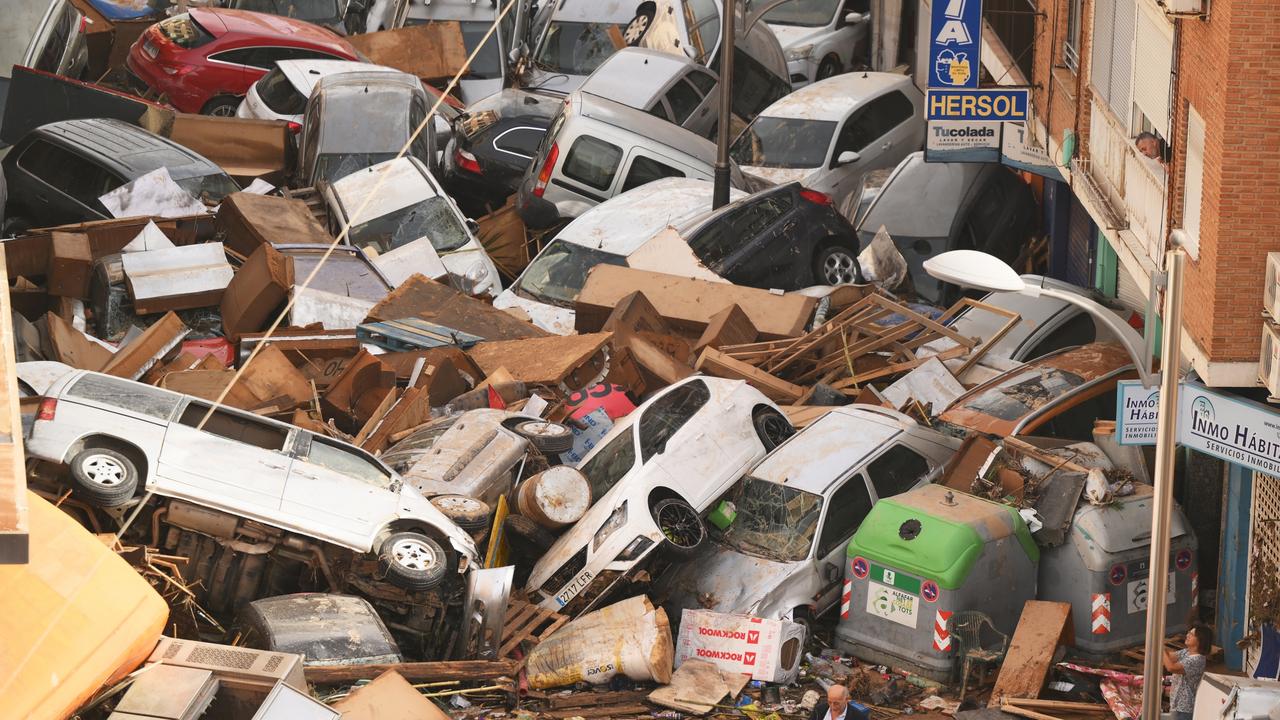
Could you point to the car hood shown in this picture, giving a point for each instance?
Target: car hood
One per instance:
(725, 580)
(781, 176)
(790, 36)
(553, 319)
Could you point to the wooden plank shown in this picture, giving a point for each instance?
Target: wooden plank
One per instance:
(70, 346)
(416, 671)
(896, 368)
(600, 711)
(1041, 628)
(154, 343)
(1063, 705)
(547, 360)
(270, 374)
(730, 326)
(589, 699)
(14, 514)
(1024, 712)
(429, 51)
(422, 297)
(714, 362)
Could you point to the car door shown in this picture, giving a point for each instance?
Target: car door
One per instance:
(58, 186)
(689, 105)
(879, 132)
(226, 458)
(683, 449)
(336, 490)
(846, 507)
(766, 257)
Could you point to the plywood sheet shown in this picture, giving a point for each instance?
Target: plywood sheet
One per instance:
(1041, 628)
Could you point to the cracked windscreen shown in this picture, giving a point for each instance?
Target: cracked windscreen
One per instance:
(433, 218)
(773, 521)
(578, 48)
(557, 275)
(1025, 393)
(607, 467)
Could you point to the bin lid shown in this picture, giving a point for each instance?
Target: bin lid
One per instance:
(1125, 523)
(937, 533)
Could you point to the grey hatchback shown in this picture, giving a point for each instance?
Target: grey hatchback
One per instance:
(57, 172)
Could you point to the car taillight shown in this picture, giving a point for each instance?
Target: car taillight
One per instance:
(294, 127)
(1136, 321)
(84, 24)
(178, 70)
(48, 408)
(466, 161)
(544, 175)
(816, 197)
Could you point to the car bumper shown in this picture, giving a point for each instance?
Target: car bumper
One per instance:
(149, 74)
(801, 72)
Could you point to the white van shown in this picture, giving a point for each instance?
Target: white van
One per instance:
(597, 148)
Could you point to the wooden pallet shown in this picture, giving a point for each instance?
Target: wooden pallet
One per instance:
(527, 622)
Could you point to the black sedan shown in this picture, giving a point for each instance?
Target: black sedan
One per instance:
(492, 146)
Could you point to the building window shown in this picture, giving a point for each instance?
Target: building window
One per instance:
(1071, 44)
(1111, 62)
(1193, 191)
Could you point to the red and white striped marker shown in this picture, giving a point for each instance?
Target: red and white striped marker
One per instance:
(1101, 613)
(941, 638)
(844, 599)
(1195, 588)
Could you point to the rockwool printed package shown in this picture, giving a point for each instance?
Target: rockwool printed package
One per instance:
(768, 650)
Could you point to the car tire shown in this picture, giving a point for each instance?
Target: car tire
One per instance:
(102, 477)
(467, 513)
(772, 427)
(413, 561)
(221, 106)
(680, 525)
(836, 265)
(829, 67)
(549, 438)
(640, 24)
(539, 539)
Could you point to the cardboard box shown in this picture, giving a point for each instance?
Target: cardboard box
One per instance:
(260, 286)
(768, 650)
(248, 221)
(177, 278)
(430, 51)
(689, 304)
(70, 265)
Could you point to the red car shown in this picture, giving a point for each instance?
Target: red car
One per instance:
(204, 61)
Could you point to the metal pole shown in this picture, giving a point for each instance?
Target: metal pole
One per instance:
(1166, 448)
(720, 192)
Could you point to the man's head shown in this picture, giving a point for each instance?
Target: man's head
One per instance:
(837, 699)
(1199, 638)
(1148, 144)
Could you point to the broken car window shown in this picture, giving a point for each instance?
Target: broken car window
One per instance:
(784, 143)
(433, 218)
(848, 506)
(236, 427)
(773, 521)
(278, 93)
(607, 467)
(335, 166)
(184, 32)
(721, 237)
(897, 471)
(209, 188)
(557, 275)
(345, 461)
(577, 48)
(130, 395)
(668, 414)
(1025, 393)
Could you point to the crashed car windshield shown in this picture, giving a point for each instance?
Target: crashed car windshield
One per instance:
(773, 521)
(337, 166)
(309, 10)
(432, 218)
(576, 48)
(808, 13)
(784, 143)
(557, 275)
(607, 467)
(1025, 393)
(208, 187)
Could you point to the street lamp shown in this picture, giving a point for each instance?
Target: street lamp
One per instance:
(973, 269)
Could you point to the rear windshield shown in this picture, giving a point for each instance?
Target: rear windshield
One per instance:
(784, 143)
(278, 93)
(333, 167)
(577, 48)
(309, 10)
(184, 31)
(1025, 393)
(125, 394)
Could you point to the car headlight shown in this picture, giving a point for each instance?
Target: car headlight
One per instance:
(476, 280)
(801, 52)
(616, 520)
(635, 548)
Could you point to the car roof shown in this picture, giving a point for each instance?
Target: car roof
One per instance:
(594, 11)
(460, 10)
(244, 25)
(128, 148)
(381, 78)
(304, 74)
(835, 97)
(826, 449)
(406, 182)
(625, 222)
(659, 132)
(635, 76)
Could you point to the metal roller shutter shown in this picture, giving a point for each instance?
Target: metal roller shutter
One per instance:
(1152, 75)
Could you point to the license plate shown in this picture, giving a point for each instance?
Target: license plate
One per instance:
(892, 604)
(1137, 593)
(150, 49)
(574, 588)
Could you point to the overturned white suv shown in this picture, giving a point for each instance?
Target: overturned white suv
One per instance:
(121, 438)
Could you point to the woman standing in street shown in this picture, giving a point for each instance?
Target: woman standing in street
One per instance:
(1187, 667)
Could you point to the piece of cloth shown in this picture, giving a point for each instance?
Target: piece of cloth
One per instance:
(1186, 683)
(1269, 657)
(1122, 691)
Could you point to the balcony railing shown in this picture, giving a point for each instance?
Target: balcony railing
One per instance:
(1132, 185)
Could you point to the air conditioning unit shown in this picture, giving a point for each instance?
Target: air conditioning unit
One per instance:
(1183, 7)
(1269, 360)
(1271, 287)
(235, 667)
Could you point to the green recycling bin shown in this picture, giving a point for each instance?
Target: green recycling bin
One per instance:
(922, 556)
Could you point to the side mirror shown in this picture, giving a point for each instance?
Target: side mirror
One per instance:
(473, 226)
(830, 573)
(848, 157)
(854, 18)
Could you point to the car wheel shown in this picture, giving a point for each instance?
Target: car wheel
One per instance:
(837, 265)
(640, 24)
(413, 561)
(772, 427)
(467, 513)
(221, 106)
(538, 538)
(830, 67)
(680, 525)
(103, 477)
(548, 437)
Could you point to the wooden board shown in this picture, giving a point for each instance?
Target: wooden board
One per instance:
(1041, 628)
(15, 521)
(430, 51)
(70, 346)
(714, 362)
(547, 360)
(419, 296)
(135, 358)
(730, 326)
(528, 623)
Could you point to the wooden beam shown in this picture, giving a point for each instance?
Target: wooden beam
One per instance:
(714, 362)
(14, 520)
(416, 671)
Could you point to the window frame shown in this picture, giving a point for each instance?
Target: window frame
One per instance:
(306, 441)
(583, 140)
(858, 479)
(1071, 41)
(898, 444)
